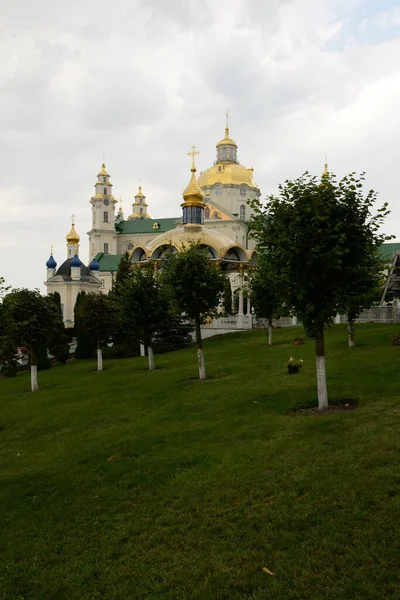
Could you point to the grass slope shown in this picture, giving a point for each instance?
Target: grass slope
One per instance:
(127, 484)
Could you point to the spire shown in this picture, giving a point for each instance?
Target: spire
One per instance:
(325, 173)
(51, 263)
(227, 148)
(103, 185)
(193, 194)
(139, 207)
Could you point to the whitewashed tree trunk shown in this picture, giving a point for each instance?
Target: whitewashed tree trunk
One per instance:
(350, 333)
(34, 382)
(269, 333)
(150, 356)
(99, 359)
(200, 354)
(321, 384)
(202, 365)
(142, 350)
(321, 373)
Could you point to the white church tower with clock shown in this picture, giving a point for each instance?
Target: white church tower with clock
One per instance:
(102, 236)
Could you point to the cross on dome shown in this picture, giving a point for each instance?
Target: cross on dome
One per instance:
(193, 153)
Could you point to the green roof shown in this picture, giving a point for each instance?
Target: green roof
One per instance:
(389, 249)
(108, 262)
(147, 225)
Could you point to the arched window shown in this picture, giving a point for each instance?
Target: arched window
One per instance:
(105, 248)
(243, 212)
(105, 217)
(105, 191)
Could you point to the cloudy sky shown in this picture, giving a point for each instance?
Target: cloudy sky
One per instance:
(140, 81)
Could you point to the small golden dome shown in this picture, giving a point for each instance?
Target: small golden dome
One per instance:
(103, 171)
(326, 171)
(227, 141)
(73, 237)
(193, 194)
(139, 193)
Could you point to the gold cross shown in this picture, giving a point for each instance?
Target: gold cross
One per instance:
(73, 219)
(227, 119)
(193, 154)
(51, 249)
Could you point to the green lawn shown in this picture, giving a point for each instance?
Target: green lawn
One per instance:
(127, 484)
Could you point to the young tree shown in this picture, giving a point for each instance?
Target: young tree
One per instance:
(31, 320)
(84, 344)
(303, 232)
(264, 297)
(123, 272)
(98, 318)
(362, 277)
(145, 305)
(196, 285)
(227, 297)
(59, 343)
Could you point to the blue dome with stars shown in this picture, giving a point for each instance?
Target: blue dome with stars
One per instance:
(76, 261)
(51, 263)
(94, 265)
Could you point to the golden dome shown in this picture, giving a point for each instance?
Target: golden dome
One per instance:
(193, 194)
(73, 237)
(138, 216)
(226, 174)
(103, 171)
(139, 193)
(227, 141)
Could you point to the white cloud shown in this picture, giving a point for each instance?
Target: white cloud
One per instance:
(143, 80)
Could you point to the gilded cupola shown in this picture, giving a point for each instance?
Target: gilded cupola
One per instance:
(193, 205)
(73, 238)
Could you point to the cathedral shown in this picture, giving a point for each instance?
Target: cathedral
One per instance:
(214, 213)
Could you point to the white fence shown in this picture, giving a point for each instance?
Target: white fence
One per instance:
(376, 314)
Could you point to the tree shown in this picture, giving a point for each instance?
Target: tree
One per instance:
(123, 272)
(3, 287)
(145, 305)
(98, 318)
(174, 333)
(227, 297)
(31, 319)
(59, 342)
(303, 232)
(263, 294)
(84, 344)
(362, 277)
(196, 285)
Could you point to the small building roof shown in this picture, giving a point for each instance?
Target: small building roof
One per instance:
(108, 262)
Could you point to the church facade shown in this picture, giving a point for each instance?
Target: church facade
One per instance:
(214, 213)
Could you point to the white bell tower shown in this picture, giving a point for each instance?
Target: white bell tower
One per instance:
(102, 236)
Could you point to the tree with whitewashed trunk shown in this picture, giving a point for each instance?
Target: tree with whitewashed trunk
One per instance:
(196, 285)
(98, 315)
(264, 297)
(30, 321)
(144, 305)
(304, 234)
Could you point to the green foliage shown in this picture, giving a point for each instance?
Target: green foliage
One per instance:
(173, 334)
(123, 273)
(144, 302)
(264, 296)
(316, 236)
(43, 361)
(227, 297)
(31, 320)
(196, 284)
(3, 287)
(98, 317)
(85, 347)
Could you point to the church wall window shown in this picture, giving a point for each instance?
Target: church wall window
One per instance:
(243, 212)
(103, 282)
(106, 248)
(104, 179)
(104, 191)
(141, 210)
(105, 217)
